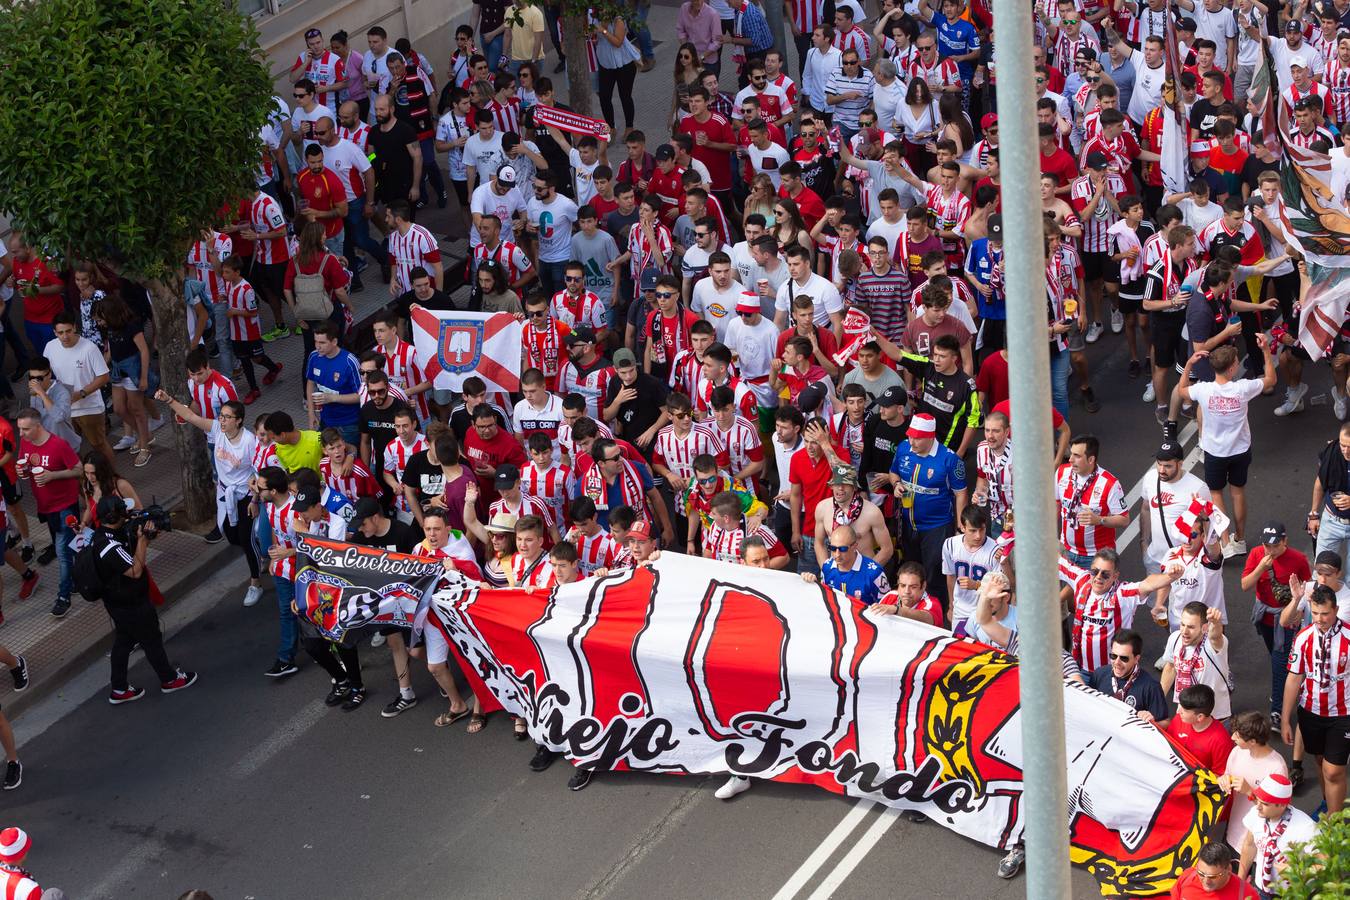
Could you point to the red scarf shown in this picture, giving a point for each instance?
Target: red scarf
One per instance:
(630, 488)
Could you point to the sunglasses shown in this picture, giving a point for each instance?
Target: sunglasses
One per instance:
(1040, 81)
(1121, 657)
(1101, 573)
(665, 295)
(574, 278)
(1093, 79)
(679, 416)
(838, 548)
(927, 47)
(1070, 21)
(538, 313)
(299, 95)
(745, 315)
(711, 479)
(612, 458)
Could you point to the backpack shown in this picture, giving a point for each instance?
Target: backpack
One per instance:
(312, 302)
(84, 573)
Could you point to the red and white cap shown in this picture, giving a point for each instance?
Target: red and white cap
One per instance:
(1271, 789)
(641, 530)
(14, 845)
(922, 426)
(748, 303)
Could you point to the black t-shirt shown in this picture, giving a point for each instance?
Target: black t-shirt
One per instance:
(1204, 116)
(119, 590)
(461, 420)
(399, 538)
(640, 413)
(439, 300)
(555, 156)
(619, 226)
(880, 441)
(393, 165)
(425, 477)
(122, 344)
(491, 14)
(379, 424)
(1252, 169)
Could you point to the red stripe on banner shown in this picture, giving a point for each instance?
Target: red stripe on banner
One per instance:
(565, 120)
(427, 326)
(619, 616)
(503, 618)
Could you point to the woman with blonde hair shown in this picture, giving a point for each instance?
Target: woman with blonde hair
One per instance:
(762, 199)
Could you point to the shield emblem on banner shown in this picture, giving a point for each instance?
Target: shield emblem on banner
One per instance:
(460, 346)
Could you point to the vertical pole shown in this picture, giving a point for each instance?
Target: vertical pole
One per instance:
(1045, 793)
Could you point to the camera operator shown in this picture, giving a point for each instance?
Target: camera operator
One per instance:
(126, 594)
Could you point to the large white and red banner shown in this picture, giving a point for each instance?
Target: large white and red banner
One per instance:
(454, 345)
(697, 666)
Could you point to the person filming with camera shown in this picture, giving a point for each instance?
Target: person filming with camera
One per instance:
(119, 546)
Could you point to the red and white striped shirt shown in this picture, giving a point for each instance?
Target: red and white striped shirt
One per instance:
(413, 248)
(787, 86)
(595, 551)
(737, 447)
(241, 297)
(506, 116)
(512, 259)
(553, 487)
(1097, 617)
(725, 544)
(1099, 492)
(854, 39)
(400, 364)
(205, 256)
(327, 69)
(685, 373)
(996, 469)
(282, 520)
(1337, 81)
(591, 383)
(543, 348)
(950, 210)
(586, 309)
(357, 483)
(565, 436)
(360, 135)
(208, 397)
(1065, 48)
(265, 455)
(1293, 94)
(643, 257)
(532, 574)
(528, 506)
(747, 404)
(394, 391)
(264, 215)
(677, 453)
(1095, 238)
(1324, 662)
(806, 14)
(943, 72)
(396, 456)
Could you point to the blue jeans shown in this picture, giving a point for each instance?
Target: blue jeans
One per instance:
(356, 235)
(196, 288)
(62, 535)
(1059, 381)
(551, 276)
(644, 34)
(40, 334)
(806, 560)
(492, 51)
(290, 632)
(431, 170)
(1334, 534)
(1278, 642)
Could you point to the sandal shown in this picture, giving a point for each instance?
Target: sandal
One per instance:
(450, 718)
(520, 730)
(477, 722)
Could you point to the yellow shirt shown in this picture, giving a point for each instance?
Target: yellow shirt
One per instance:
(531, 22)
(303, 454)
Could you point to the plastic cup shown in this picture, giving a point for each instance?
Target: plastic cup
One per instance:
(1160, 617)
(1070, 307)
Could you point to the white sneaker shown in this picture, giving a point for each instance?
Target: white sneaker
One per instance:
(1117, 321)
(1149, 394)
(735, 785)
(1338, 405)
(126, 443)
(1094, 332)
(1234, 548)
(1293, 401)
(377, 640)
(253, 595)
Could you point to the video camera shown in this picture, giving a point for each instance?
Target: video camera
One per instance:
(154, 513)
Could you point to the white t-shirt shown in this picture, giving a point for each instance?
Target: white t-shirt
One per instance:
(742, 262)
(1197, 583)
(882, 228)
(554, 220)
(1176, 497)
(302, 123)
(1300, 830)
(959, 560)
(234, 461)
(1224, 406)
(1197, 216)
(754, 347)
(717, 307)
(76, 367)
(1218, 27)
(452, 127)
(1148, 85)
(769, 161)
(485, 156)
(487, 202)
(1201, 665)
(822, 292)
(348, 163)
(583, 175)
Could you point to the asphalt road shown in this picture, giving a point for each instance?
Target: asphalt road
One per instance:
(252, 788)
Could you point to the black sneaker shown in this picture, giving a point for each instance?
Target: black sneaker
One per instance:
(214, 536)
(398, 705)
(117, 697)
(580, 778)
(61, 607)
(20, 675)
(26, 553)
(355, 697)
(337, 695)
(281, 668)
(562, 64)
(1135, 368)
(11, 541)
(914, 815)
(13, 774)
(543, 758)
(1170, 431)
(47, 555)
(1090, 401)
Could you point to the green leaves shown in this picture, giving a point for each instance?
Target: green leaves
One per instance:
(126, 125)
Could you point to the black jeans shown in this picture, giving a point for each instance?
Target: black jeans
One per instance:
(241, 535)
(925, 546)
(132, 625)
(348, 669)
(623, 77)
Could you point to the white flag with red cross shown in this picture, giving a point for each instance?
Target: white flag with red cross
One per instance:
(453, 345)
(1185, 523)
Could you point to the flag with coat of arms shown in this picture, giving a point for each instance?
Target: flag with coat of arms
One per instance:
(454, 345)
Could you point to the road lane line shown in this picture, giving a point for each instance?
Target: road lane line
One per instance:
(855, 855)
(807, 870)
(304, 719)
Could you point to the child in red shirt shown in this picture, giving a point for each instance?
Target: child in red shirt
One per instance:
(1195, 728)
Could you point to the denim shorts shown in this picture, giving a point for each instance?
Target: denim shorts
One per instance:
(126, 374)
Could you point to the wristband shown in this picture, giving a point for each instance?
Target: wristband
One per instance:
(1314, 515)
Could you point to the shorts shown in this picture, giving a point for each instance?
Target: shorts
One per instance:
(436, 642)
(766, 419)
(1111, 270)
(1129, 306)
(1221, 471)
(398, 629)
(126, 374)
(1097, 266)
(1169, 347)
(12, 492)
(1325, 736)
(93, 428)
(247, 349)
(442, 398)
(1078, 559)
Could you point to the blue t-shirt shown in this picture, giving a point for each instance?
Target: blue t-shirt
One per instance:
(934, 481)
(955, 39)
(614, 493)
(339, 375)
(865, 581)
(980, 262)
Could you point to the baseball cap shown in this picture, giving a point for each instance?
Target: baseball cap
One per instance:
(506, 173)
(892, 396)
(1186, 23)
(748, 303)
(582, 334)
(1097, 160)
(665, 151)
(1169, 450)
(642, 530)
(1291, 25)
(988, 120)
(648, 278)
(922, 426)
(809, 400)
(1274, 788)
(502, 523)
(996, 227)
(1272, 532)
(623, 358)
(507, 475)
(306, 497)
(1299, 60)
(842, 474)
(365, 508)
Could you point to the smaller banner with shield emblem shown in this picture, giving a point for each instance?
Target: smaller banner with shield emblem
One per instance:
(453, 345)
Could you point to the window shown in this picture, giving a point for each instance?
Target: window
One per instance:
(252, 7)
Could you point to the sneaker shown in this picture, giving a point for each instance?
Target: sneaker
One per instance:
(275, 333)
(1338, 405)
(355, 698)
(214, 536)
(441, 200)
(252, 595)
(1149, 394)
(542, 759)
(1012, 861)
(47, 555)
(377, 640)
(1234, 548)
(580, 778)
(736, 784)
(142, 458)
(281, 668)
(297, 331)
(397, 705)
(20, 675)
(1188, 410)
(13, 774)
(26, 553)
(337, 694)
(131, 693)
(61, 607)
(1275, 719)
(272, 376)
(11, 540)
(182, 681)
(1160, 413)
(1170, 432)
(28, 585)
(1117, 321)
(1094, 332)
(1090, 401)
(126, 443)
(252, 397)
(915, 816)
(1293, 401)
(1135, 369)
(1296, 774)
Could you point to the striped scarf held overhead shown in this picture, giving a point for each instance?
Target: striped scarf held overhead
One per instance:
(630, 488)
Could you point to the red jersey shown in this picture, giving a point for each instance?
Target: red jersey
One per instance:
(719, 131)
(542, 348)
(1095, 239)
(322, 192)
(927, 603)
(725, 544)
(1097, 617)
(677, 453)
(1190, 887)
(395, 459)
(552, 487)
(404, 372)
(53, 455)
(669, 187)
(1099, 492)
(204, 257)
(282, 521)
(590, 382)
(410, 249)
(208, 397)
(595, 551)
(1290, 562)
(41, 307)
(668, 335)
(737, 447)
(1323, 659)
(357, 483)
(264, 215)
(241, 298)
(1211, 746)
(808, 203)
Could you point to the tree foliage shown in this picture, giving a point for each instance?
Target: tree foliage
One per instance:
(575, 31)
(1320, 870)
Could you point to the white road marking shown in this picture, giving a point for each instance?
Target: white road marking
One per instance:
(839, 874)
(303, 720)
(114, 884)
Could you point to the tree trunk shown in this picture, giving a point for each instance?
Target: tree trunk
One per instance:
(578, 70)
(199, 492)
